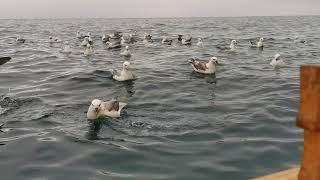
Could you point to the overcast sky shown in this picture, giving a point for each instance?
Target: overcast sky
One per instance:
(154, 8)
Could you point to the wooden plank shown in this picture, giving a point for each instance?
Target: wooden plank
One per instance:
(291, 174)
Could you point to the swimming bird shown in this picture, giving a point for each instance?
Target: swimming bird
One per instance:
(277, 61)
(88, 51)
(126, 52)
(298, 40)
(166, 41)
(53, 40)
(4, 60)
(85, 41)
(99, 108)
(258, 44)
(180, 37)
(90, 41)
(20, 39)
(105, 38)
(200, 43)
(123, 41)
(147, 39)
(187, 40)
(233, 44)
(66, 48)
(132, 39)
(204, 67)
(125, 74)
(79, 35)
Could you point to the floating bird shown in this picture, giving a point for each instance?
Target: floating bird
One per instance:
(298, 40)
(200, 43)
(85, 41)
(66, 49)
(88, 51)
(88, 35)
(20, 40)
(231, 47)
(105, 38)
(54, 40)
(233, 44)
(99, 109)
(187, 40)
(258, 44)
(123, 41)
(113, 45)
(4, 60)
(204, 67)
(132, 39)
(180, 37)
(277, 61)
(147, 39)
(166, 41)
(125, 74)
(79, 35)
(126, 52)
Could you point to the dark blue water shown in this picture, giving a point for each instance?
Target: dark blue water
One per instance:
(178, 124)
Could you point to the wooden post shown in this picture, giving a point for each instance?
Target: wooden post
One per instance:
(308, 118)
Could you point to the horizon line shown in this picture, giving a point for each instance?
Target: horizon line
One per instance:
(169, 17)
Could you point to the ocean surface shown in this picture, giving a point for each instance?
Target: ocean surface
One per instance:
(238, 124)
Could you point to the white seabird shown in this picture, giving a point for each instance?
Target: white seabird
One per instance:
(85, 41)
(54, 40)
(67, 49)
(233, 44)
(298, 40)
(277, 61)
(258, 44)
(20, 39)
(79, 36)
(166, 41)
(123, 41)
(147, 39)
(126, 52)
(99, 109)
(204, 67)
(200, 42)
(88, 51)
(123, 75)
(187, 40)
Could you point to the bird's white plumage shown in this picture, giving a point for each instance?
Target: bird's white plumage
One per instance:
(98, 109)
(204, 67)
(66, 49)
(88, 51)
(85, 41)
(200, 42)
(277, 61)
(233, 44)
(123, 75)
(126, 52)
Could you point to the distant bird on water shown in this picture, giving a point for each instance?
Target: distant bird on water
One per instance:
(20, 39)
(88, 51)
(126, 52)
(277, 61)
(258, 44)
(200, 42)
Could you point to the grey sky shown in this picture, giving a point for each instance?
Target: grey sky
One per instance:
(154, 8)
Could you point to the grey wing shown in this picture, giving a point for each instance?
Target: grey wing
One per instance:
(112, 105)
